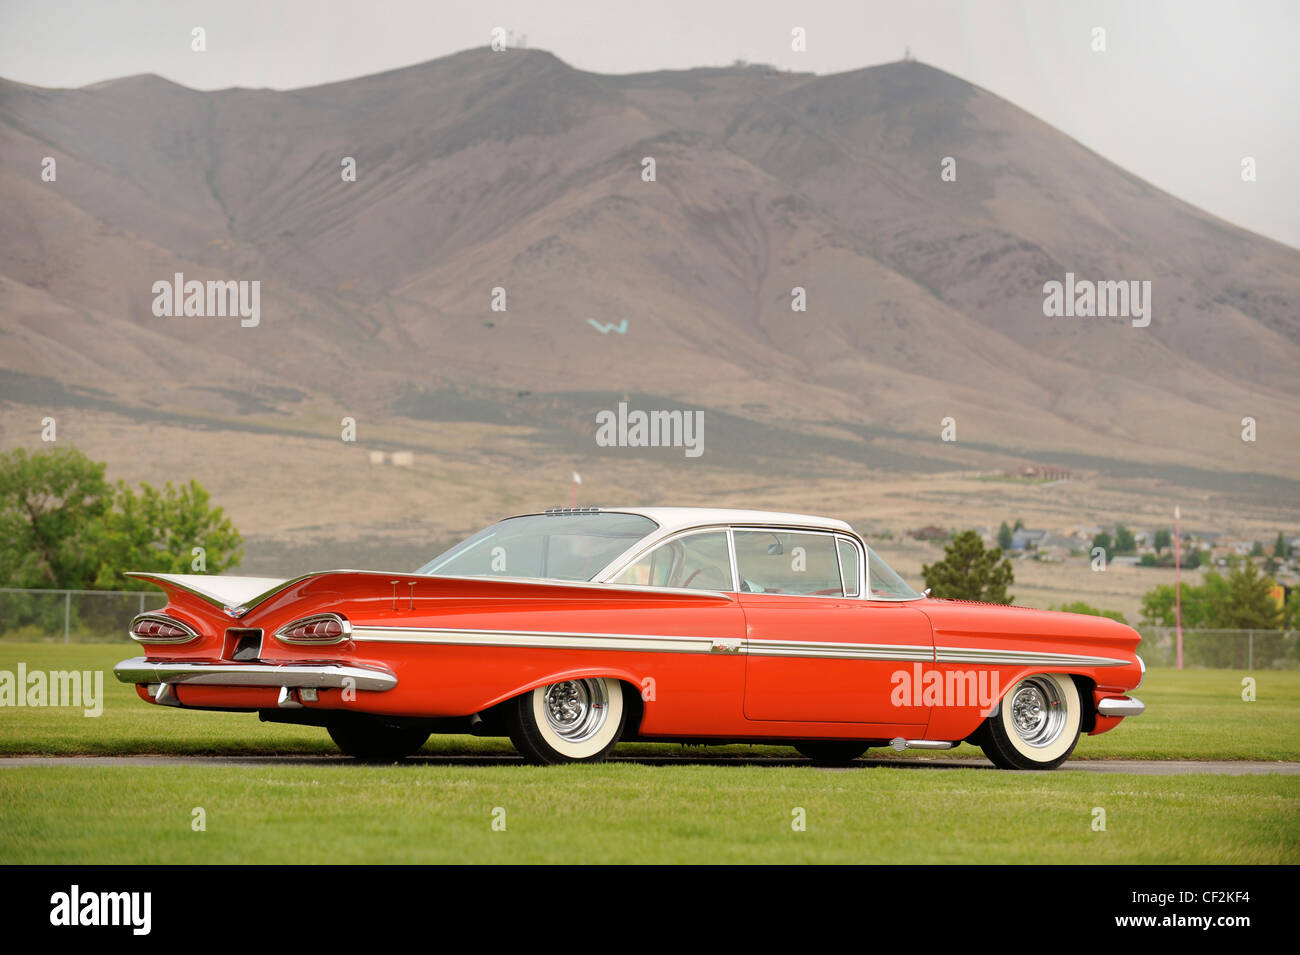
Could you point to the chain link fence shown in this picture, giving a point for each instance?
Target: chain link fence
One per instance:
(72, 616)
(1222, 649)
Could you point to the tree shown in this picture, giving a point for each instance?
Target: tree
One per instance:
(1124, 542)
(1019, 524)
(1248, 602)
(1281, 549)
(1241, 601)
(1103, 541)
(1004, 536)
(1079, 606)
(51, 504)
(160, 530)
(65, 526)
(1158, 603)
(1257, 550)
(1162, 539)
(968, 571)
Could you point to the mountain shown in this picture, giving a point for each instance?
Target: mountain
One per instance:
(513, 170)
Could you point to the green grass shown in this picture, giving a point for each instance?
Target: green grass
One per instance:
(622, 812)
(625, 812)
(1195, 714)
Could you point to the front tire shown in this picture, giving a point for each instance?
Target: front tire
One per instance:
(1036, 725)
(833, 751)
(573, 721)
(377, 742)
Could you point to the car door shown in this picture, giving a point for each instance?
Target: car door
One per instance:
(816, 651)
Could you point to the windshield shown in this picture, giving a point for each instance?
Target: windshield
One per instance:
(884, 582)
(546, 546)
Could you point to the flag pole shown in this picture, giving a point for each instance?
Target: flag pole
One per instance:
(1178, 583)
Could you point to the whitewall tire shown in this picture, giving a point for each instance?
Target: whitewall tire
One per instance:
(568, 722)
(1036, 725)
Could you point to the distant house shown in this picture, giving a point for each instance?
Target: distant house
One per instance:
(1025, 539)
(1085, 534)
(1041, 472)
(1062, 543)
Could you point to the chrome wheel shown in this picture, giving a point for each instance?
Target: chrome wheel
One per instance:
(576, 710)
(576, 720)
(1036, 725)
(1037, 712)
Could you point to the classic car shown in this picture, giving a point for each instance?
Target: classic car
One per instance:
(575, 628)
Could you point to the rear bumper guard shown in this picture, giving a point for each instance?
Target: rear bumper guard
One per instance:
(286, 675)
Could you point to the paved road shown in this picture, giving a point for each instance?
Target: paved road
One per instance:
(1140, 767)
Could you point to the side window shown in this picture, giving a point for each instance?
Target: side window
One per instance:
(694, 562)
(788, 562)
(848, 566)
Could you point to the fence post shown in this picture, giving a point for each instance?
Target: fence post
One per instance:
(1250, 651)
(142, 602)
(67, 615)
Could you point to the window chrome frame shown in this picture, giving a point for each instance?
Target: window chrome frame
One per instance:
(862, 564)
(834, 534)
(643, 547)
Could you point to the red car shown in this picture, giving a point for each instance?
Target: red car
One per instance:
(573, 629)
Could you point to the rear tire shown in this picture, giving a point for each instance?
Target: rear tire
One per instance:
(377, 742)
(831, 751)
(1036, 725)
(572, 721)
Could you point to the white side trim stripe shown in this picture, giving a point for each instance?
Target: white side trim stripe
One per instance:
(841, 651)
(658, 643)
(540, 639)
(1030, 657)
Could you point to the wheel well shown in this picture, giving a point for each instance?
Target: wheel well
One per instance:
(494, 716)
(1087, 700)
(635, 708)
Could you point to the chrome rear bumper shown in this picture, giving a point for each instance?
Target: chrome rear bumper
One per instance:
(295, 675)
(1121, 706)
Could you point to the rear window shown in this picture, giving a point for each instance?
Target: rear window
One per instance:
(545, 546)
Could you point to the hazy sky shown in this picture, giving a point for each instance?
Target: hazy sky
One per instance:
(1184, 90)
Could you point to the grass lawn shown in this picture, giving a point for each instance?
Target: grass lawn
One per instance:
(344, 812)
(626, 812)
(1195, 714)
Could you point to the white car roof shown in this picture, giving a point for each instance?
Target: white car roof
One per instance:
(673, 519)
